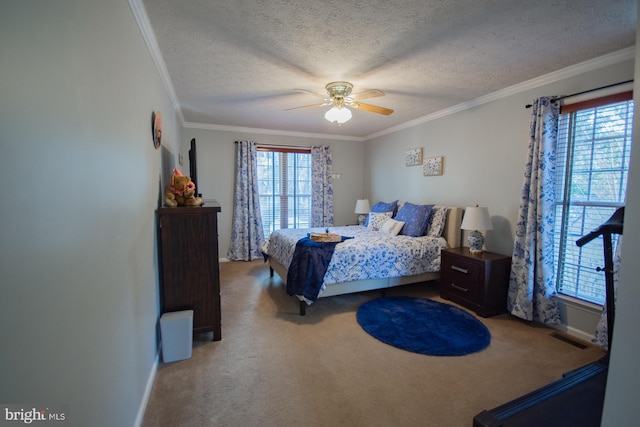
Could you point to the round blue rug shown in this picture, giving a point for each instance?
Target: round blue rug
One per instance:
(423, 326)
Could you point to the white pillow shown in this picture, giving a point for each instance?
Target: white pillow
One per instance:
(376, 219)
(437, 220)
(392, 227)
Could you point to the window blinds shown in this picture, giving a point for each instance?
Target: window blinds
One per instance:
(592, 164)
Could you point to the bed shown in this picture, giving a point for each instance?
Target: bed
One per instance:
(369, 259)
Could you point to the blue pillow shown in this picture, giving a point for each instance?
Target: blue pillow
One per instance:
(385, 207)
(382, 207)
(415, 218)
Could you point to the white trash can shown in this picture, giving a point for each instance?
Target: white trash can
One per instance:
(176, 329)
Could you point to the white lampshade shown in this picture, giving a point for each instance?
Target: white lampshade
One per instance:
(362, 209)
(339, 115)
(362, 206)
(476, 218)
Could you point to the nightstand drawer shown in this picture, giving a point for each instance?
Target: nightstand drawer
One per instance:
(462, 282)
(461, 271)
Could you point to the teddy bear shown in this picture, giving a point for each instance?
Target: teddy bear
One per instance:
(181, 192)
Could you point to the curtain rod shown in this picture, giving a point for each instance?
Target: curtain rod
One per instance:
(284, 146)
(558, 98)
(293, 147)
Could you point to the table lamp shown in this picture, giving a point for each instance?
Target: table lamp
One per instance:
(362, 209)
(476, 218)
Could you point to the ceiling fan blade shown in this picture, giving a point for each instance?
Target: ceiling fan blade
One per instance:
(365, 94)
(308, 106)
(371, 108)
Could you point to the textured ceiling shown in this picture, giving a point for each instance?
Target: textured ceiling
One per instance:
(237, 63)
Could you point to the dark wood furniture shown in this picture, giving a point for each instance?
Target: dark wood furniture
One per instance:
(189, 266)
(574, 400)
(478, 282)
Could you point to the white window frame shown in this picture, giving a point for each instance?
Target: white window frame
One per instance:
(292, 204)
(576, 268)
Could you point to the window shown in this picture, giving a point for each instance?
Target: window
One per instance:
(592, 163)
(284, 182)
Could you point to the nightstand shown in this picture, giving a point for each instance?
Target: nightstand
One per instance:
(478, 282)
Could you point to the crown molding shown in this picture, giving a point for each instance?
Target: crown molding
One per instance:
(224, 128)
(142, 19)
(571, 71)
(140, 14)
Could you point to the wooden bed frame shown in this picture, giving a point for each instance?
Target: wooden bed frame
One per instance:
(451, 233)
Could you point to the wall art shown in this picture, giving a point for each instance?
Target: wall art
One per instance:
(156, 128)
(413, 157)
(432, 166)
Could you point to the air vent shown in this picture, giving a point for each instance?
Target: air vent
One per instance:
(568, 340)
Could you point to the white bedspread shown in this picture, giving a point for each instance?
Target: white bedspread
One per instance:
(369, 255)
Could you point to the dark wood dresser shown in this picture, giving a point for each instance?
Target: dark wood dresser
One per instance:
(189, 267)
(478, 282)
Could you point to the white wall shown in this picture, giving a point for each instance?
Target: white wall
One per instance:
(79, 288)
(621, 401)
(484, 150)
(216, 170)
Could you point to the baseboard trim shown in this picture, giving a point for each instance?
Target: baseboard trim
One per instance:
(574, 332)
(147, 390)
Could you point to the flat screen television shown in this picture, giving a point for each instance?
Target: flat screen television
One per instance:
(193, 166)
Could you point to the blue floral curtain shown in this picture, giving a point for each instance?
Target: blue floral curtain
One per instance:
(531, 285)
(321, 187)
(247, 235)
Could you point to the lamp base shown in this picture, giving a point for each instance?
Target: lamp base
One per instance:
(476, 242)
(361, 219)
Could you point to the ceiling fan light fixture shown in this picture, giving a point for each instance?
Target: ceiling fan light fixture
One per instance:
(339, 97)
(339, 115)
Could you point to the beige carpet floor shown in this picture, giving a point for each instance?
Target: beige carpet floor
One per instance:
(274, 367)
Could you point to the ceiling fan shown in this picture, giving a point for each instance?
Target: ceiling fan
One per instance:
(339, 96)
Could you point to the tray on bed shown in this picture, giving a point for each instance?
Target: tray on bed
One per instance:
(325, 237)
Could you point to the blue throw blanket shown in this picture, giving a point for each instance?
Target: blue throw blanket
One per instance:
(308, 266)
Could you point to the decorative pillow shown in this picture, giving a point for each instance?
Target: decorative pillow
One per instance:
(375, 219)
(386, 207)
(436, 221)
(392, 227)
(383, 207)
(415, 217)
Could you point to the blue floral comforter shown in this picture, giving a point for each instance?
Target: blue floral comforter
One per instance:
(307, 269)
(369, 255)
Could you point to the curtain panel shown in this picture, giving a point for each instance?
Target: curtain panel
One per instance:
(247, 235)
(321, 187)
(532, 282)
